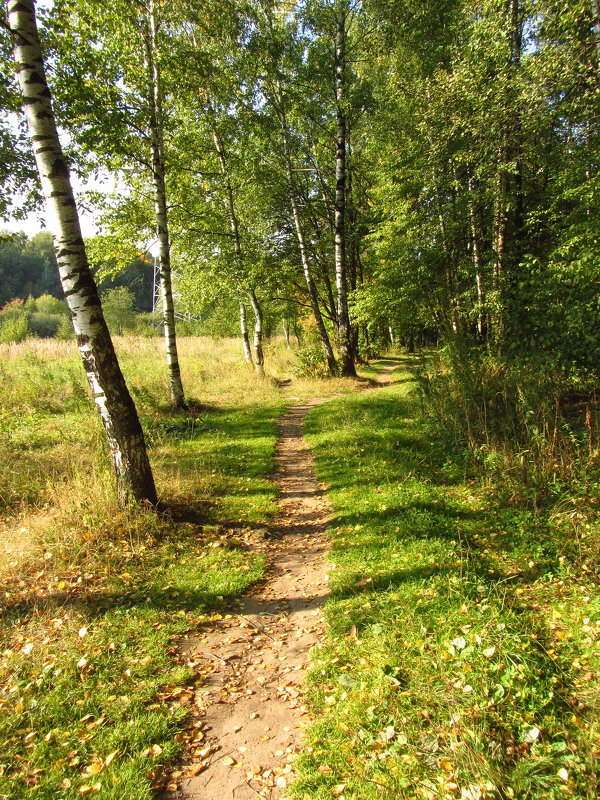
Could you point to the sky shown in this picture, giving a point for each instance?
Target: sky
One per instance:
(35, 222)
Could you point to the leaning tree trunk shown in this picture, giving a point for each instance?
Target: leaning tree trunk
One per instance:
(155, 124)
(123, 430)
(306, 268)
(344, 332)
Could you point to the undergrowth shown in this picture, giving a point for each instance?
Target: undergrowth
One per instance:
(462, 656)
(530, 426)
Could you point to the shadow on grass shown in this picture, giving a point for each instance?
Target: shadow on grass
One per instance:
(147, 595)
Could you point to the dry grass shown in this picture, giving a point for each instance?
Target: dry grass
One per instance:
(54, 480)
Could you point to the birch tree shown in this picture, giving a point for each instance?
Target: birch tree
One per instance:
(278, 46)
(114, 100)
(111, 396)
(341, 277)
(157, 150)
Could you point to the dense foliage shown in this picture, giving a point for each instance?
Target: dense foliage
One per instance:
(471, 141)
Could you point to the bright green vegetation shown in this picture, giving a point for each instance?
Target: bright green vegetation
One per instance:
(460, 658)
(94, 691)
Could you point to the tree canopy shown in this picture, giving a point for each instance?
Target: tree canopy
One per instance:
(436, 162)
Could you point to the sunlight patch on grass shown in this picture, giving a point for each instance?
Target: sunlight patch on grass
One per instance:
(445, 673)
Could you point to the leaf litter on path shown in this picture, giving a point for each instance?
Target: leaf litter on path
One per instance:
(252, 661)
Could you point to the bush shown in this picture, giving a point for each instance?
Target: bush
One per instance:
(13, 329)
(47, 304)
(311, 362)
(117, 306)
(65, 329)
(529, 425)
(145, 326)
(45, 325)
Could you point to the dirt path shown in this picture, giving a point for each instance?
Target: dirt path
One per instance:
(255, 658)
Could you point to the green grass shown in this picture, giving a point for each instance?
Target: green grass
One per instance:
(460, 661)
(462, 658)
(94, 690)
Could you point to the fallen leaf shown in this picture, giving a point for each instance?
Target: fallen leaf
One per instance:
(531, 735)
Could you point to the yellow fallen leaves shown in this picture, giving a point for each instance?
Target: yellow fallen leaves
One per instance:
(153, 751)
(86, 788)
(98, 764)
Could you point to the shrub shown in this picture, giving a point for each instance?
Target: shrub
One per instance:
(146, 325)
(45, 325)
(47, 304)
(65, 329)
(117, 306)
(13, 328)
(311, 362)
(528, 424)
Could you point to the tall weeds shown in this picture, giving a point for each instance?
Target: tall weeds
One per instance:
(531, 428)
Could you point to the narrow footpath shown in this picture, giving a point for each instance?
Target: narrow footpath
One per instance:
(255, 657)
(251, 700)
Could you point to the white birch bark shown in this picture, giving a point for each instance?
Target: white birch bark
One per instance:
(259, 359)
(257, 343)
(310, 283)
(344, 332)
(111, 396)
(476, 263)
(155, 123)
(245, 335)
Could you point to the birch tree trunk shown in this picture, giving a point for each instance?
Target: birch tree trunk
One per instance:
(259, 358)
(259, 361)
(155, 124)
(119, 417)
(245, 335)
(344, 333)
(477, 264)
(308, 276)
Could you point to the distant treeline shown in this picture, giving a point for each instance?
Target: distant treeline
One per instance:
(28, 269)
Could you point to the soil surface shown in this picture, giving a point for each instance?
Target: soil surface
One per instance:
(254, 659)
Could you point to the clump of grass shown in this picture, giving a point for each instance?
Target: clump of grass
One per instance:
(461, 660)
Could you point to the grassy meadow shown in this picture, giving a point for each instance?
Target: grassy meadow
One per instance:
(461, 659)
(93, 692)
